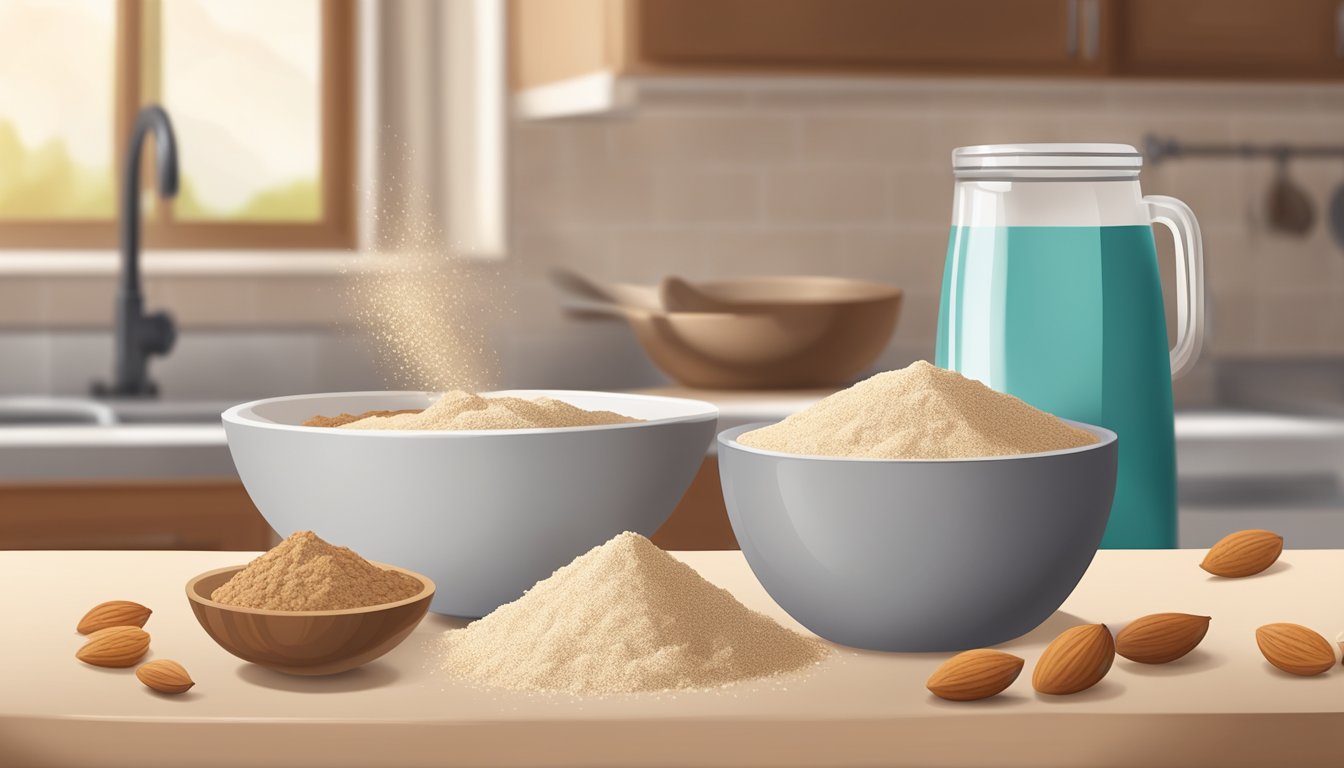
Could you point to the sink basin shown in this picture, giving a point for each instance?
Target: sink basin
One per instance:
(168, 411)
(71, 411)
(45, 440)
(32, 411)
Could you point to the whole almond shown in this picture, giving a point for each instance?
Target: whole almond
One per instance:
(1161, 637)
(1295, 648)
(1243, 553)
(164, 676)
(113, 613)
(1075, 661)
(114, 647)
(976, 674)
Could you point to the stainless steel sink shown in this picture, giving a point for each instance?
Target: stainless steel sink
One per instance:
(168, 411)
(48, 440)
(32, 411)
(57, 411)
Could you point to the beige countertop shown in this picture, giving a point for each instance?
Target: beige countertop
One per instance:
(1222, 705)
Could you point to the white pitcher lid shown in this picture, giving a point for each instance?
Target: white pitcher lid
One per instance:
(1044, 157)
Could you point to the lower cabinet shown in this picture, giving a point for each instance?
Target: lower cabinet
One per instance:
(218, 515)
(195, 514)
(700, 521)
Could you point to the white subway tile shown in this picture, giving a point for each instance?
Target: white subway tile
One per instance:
(717, 140)
(694, 196)
(829, 196)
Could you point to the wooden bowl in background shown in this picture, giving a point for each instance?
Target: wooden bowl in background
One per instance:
(770, 332)
(306, 642)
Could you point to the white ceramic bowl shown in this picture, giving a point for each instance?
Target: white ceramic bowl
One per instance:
(485, 514)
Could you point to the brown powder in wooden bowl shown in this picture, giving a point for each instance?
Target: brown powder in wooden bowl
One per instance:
(918, 412)
(305, 573)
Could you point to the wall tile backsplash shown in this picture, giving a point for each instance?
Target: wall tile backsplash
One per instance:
(742, 177)
(718, 178)
(204, 365)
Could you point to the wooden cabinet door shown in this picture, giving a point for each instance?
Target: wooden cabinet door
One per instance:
(166, 514)
(1228, 38)
(819, 36)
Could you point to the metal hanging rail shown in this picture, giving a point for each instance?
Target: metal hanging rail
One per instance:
(1157, 149)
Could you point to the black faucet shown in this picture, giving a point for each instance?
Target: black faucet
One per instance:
(140, 336)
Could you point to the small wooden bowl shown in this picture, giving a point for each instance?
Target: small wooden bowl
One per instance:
(306, 642)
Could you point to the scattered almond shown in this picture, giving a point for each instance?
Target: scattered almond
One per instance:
(113, 613)
(1295, 648)
(164, 676)
(1339, 640)
(1161, 637)
(976, 674)
(114, 647)
(1243, 553)
(1075, 661)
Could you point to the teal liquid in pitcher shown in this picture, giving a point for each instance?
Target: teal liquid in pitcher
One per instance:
(1070, 319)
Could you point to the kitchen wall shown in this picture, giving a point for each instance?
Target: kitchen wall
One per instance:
(734, 177)
(796, 178)
(239, 336)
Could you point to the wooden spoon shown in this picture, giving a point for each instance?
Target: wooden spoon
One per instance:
(677, 295)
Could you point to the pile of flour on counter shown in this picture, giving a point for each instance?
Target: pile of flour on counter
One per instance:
(625, 617)
(464, 410)
(918, 412)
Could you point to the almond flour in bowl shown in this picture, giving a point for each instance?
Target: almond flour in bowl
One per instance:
(918, 412)
(342, 419)
(919, 511)
(625, 617)
(465, 411)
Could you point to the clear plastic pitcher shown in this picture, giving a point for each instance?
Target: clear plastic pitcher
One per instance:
(1051, 293)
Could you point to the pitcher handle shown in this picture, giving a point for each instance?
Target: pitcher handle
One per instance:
(1177, 217)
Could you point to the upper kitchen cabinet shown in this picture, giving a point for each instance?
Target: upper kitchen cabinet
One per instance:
(1248, 39)
(863, 36)
(586, 56)
(568, 55)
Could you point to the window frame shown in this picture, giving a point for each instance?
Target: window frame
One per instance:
(336, 229)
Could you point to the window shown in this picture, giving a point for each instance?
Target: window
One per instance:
(260, 92)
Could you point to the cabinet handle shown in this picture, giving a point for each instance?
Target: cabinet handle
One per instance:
(1339, 30)
(1071, 35)
(1092, 29)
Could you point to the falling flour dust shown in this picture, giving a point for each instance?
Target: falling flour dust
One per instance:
(425, 309)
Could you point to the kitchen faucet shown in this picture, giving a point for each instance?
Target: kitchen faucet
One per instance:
(140, 336)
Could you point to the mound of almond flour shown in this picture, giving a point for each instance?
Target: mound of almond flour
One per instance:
(305, 573)
(463, 410)
(625, 617)
(918, 412)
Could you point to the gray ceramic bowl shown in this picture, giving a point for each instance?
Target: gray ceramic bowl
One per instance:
(937, 555)
(484, 514)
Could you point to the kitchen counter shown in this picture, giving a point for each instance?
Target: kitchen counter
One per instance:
(1222, 705)
(42, 454)
(165, 440)
(112, 440)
